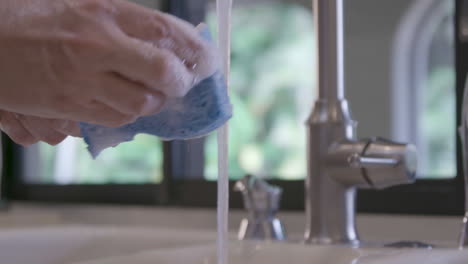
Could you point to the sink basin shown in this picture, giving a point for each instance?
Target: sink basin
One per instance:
(124, 245)
(259, 253)
(60, 245)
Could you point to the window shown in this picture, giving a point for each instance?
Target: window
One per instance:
(273, 90)
(70, 163)
(372, 29)
(425, 102)
(424, 86)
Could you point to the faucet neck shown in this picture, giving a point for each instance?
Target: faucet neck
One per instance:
(329, 36)
(330, 209)
(330, 214)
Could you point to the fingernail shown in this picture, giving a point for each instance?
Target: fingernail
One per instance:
(154, 105)
(200, 27)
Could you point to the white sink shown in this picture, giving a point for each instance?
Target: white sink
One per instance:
(63, 245)
(258, 253)
(125, 245)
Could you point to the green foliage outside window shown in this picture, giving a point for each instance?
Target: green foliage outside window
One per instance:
(136, 162)
(272, 88)
(438, 125)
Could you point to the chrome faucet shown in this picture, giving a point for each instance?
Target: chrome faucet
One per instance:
(338, 163)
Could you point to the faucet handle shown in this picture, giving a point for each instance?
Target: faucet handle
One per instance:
(386, 163)
(375, 162)
(258, 195)
(262, 203)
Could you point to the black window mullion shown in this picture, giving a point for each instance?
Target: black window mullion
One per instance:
(184, 160)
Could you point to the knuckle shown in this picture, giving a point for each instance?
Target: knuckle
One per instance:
(166, 70)
(138, 105)
(173, 76)
(198, 47)
(87, 34)
(80, 48)
(205, 60)
(87, 17)
(159, 29)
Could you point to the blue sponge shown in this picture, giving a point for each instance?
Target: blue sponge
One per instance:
(205, 108)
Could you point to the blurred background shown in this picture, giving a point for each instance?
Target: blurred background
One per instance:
(400, 78)
(399, 86)
(403, 82)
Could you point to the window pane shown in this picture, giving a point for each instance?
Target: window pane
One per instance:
(272, 82)
(272, 90)
(438, 124)
(136, 162)
(424, 86)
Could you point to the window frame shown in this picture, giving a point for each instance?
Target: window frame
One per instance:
(14, 188)
(434, 197)
(437, 197)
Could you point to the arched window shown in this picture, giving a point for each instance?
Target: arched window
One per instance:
(423, 88)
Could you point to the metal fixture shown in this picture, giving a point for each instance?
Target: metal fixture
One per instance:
(262, 202)
(410, 244)
(338, 163)
(463, 131)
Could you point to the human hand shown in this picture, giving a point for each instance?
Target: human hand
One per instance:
(106, 62)
(27, 130)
